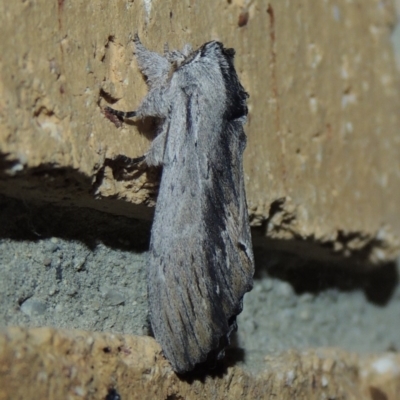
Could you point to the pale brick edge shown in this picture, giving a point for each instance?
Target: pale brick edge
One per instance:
(45, 363)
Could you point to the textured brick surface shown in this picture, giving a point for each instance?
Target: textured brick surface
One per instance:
(79, 365)
(323, 151)
(322, 167)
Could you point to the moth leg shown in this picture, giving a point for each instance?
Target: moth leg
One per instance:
(128, 162)
(120, 114)
(151, 64)
(152, 106)
(155, 156)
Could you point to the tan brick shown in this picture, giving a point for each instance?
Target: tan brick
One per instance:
(322, 164)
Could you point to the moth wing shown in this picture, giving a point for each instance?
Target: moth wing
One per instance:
(201, 260)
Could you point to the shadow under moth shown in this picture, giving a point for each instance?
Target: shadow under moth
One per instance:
(201, 259)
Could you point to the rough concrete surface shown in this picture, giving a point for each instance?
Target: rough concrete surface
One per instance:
(84, 269)
(72, 268)
(323, 100)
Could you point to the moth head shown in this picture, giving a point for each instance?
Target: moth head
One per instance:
(211, 51)
(216, 49)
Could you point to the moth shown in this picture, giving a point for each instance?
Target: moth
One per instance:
(201, 260)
